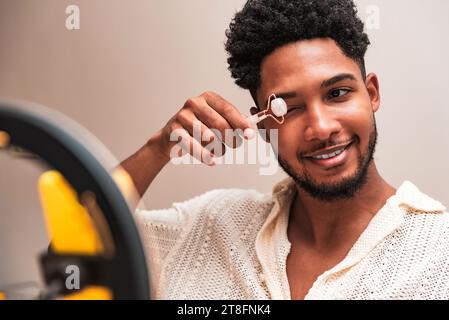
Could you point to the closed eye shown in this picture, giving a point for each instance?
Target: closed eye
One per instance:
(295, 108)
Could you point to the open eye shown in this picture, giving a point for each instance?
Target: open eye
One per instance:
(337, 93)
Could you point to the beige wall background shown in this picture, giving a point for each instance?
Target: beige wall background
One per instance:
(132, 65)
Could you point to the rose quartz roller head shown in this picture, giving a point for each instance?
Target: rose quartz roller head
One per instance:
(278, 109)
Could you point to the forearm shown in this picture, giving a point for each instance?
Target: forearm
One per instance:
(144, 165)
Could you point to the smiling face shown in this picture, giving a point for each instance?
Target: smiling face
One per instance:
(328, 139)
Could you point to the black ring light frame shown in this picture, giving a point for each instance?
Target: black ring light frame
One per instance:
(125, 273)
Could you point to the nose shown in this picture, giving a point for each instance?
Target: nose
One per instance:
(321, 124)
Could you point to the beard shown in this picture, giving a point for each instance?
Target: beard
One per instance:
(344, 189)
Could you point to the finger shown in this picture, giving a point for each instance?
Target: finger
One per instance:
(228, 111)
(199, 131)
(191, 146)
(218, 124)
(211, 118)
(195, 127)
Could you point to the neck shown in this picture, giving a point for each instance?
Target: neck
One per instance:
(327, 225)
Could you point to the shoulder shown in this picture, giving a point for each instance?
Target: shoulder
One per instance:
(215, 202)
(222, 197)
(426, 219)
(424, 232)
(228, 203)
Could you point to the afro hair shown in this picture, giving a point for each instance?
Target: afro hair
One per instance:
(265, 25)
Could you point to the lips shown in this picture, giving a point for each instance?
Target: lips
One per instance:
(334, 161)
(328, 150)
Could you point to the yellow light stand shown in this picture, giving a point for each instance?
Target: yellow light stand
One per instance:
(70, 227)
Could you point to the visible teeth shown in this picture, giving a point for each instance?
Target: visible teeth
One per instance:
(330, 155)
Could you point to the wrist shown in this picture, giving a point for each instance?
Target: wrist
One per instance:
(156, 146)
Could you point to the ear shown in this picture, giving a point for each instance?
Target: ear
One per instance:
(372, 86)
(260, 126)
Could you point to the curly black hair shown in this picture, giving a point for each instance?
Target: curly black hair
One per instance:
(265, 25)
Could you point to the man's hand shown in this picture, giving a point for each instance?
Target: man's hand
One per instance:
(212, 112)
(208, 111)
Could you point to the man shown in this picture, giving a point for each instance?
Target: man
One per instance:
(335, 229)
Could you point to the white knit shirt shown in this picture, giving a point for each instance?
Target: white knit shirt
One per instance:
(232, 244)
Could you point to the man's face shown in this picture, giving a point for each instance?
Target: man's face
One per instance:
(330, 106)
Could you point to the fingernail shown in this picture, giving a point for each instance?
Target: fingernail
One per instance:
(248, 133)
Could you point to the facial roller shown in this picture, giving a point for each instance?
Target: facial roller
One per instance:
(277, 106)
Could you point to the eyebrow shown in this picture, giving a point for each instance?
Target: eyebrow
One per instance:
(337, 78)
(324, 84)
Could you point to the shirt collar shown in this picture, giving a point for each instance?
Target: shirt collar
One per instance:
(272, 245)
(409, 195)
(283, 190)
(407, 199)
(273, 234)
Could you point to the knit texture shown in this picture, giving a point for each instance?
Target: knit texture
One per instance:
(232, 244)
